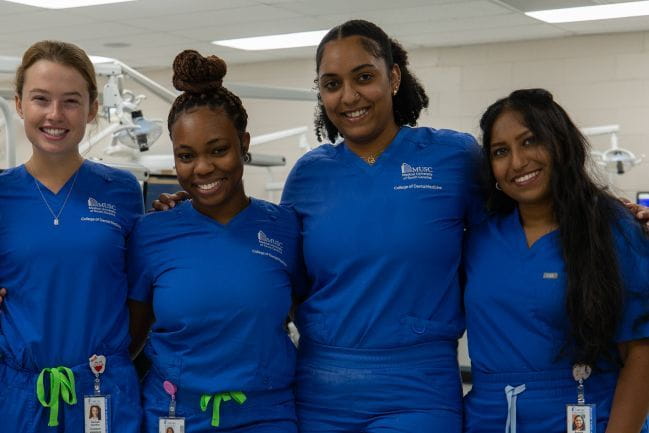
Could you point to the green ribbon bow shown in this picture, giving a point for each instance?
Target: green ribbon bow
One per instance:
(61, 384)
(237, 396)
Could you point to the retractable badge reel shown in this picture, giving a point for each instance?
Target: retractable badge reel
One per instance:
(581, 417)
(172, 423)
(96, 407)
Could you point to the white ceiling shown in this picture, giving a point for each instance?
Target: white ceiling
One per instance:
(156, 30)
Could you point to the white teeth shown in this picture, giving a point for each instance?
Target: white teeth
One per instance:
(356, 113)
(54, 131)
(207, 186)
(527, 177)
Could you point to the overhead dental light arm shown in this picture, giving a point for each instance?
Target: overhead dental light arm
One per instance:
(10, 132)
(616, 160)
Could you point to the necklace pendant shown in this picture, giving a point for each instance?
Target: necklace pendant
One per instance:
(371, 160)
(56, 221)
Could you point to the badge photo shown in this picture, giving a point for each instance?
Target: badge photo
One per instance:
(580, 418)
(171, 425)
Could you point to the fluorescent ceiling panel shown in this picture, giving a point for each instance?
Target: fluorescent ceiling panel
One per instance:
(100, 59)
(274, 42)
(65, 4)
(592, 13)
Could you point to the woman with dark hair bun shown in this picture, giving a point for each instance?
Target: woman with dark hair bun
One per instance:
(383, 214)
(219, 271)
(557, 279)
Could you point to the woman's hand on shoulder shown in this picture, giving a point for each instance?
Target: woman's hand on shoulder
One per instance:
(640, 212)
(168, 201)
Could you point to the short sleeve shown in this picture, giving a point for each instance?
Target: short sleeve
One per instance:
(474, 193)
(292, 191)
(134, 200)
(633, 259)
(140, 280)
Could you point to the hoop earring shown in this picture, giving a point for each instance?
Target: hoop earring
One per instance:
(498, 187)
(247, 158)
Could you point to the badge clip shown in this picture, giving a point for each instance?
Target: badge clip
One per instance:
(98, 366)
(97, 406)
(171, 424)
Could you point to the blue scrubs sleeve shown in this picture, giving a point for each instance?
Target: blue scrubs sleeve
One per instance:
(140, 280)
(633, 259)
(474, 194)
(135, 201)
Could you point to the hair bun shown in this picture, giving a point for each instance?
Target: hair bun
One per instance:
(194, 73)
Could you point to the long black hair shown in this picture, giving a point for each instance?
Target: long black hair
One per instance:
(585, 214)
(411, 97)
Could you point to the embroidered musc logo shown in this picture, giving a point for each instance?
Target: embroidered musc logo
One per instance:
(270, 243)
(95, 206)
(409, 172)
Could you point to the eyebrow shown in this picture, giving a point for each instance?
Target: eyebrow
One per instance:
(356, 69)
(47, 92)
(213, 141)
(501, 143)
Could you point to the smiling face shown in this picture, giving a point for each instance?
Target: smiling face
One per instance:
(356, 90)
(55, 105)
(208, 152)
(521, 164)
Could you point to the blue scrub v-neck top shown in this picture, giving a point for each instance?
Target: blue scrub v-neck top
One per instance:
(67, 283)
(382, 243)
(515, 295)
(220, 295)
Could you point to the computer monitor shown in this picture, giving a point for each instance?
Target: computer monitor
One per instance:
(643, 198)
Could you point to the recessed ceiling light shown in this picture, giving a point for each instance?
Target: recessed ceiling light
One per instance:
(64, 4)
(274, 42)
(592, 13)
(100, 59)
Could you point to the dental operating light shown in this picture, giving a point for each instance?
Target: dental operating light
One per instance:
(615, 160)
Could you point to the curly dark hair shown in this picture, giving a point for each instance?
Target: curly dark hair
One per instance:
(406, 104)
(585, 214)
(201, 80)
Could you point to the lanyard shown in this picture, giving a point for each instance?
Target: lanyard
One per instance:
(61, 384)
(237, 396)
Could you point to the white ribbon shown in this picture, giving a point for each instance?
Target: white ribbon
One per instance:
(512, 394)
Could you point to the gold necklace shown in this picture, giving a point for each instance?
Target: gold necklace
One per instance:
(371, 158)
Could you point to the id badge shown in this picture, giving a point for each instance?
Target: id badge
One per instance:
(580, 418)
(171, 425)
(96, 409)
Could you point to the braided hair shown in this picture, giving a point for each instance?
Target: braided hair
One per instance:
(201, 81)
(406, 104)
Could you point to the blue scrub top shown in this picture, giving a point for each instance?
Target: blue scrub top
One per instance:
(382, 242)
(220, 295)
(67, 283)
(515, 295)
